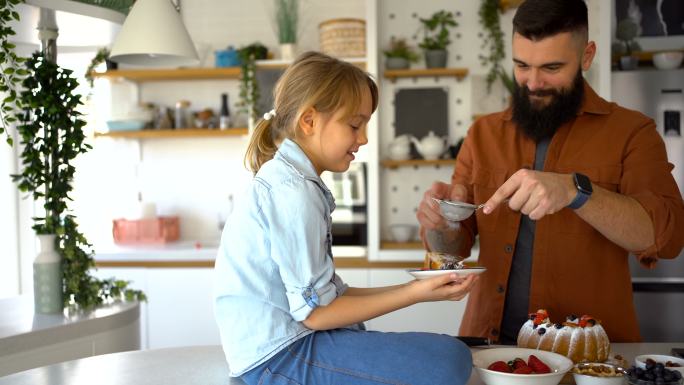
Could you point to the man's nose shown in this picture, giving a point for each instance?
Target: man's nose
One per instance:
(534, 81)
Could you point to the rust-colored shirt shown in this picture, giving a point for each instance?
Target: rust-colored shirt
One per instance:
(575, 269)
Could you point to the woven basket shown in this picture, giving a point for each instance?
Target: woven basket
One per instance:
(344, 38)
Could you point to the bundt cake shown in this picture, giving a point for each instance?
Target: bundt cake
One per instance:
(580, 339)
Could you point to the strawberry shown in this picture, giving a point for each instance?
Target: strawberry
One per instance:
(499, 366)
(537, 365)
(523, 370)
(518, 363)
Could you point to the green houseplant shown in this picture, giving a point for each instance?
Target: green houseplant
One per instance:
(399, 55)
(436, 38)
(11, 68)
(490, 19)
(51, 134)
(287, 22)
(249, 87)
(627, 30)
(101, 56)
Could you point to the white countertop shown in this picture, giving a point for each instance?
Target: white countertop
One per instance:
(204, 365)
(189, 251)
(22, 330)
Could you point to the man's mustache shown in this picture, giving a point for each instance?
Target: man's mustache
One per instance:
(549, 92)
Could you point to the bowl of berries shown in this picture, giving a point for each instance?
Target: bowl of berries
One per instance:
(654, 370)
(518, 366)
(669, 362)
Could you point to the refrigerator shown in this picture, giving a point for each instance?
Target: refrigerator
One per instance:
(658, 293)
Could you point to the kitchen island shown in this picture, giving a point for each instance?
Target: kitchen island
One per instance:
(194, 365)
(29, 340)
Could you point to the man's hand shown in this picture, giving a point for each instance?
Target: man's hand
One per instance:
(428, 213)
(534, 193)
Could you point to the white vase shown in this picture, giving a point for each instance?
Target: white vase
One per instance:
(47, 277)
(288, 51)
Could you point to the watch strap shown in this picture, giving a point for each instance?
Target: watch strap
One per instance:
(582, 195)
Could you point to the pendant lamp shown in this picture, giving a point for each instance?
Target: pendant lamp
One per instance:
(153, 34)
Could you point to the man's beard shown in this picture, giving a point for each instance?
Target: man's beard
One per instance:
(539, 123)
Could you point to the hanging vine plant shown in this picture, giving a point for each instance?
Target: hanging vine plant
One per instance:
(249, 86)
(51, 133)
(490, 19)
(11, 68)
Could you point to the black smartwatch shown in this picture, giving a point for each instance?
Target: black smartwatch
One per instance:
(584, 190)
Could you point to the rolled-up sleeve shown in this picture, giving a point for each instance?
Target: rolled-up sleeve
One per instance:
(298, 223)
(647, 177)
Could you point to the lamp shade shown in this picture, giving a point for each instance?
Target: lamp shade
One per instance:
(153, 34)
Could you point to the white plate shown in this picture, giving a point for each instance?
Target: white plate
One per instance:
(424, 274)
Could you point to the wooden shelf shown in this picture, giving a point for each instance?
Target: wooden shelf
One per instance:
(508, 4)
(393, 75)
(388, 163)
(389, 245)
(150, 75)
(181, 133)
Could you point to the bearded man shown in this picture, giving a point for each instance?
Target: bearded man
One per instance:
(572, 184)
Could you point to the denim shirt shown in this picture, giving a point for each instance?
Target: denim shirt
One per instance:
(274, 264)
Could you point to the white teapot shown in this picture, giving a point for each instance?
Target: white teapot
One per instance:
(431, 146)
(400, 148)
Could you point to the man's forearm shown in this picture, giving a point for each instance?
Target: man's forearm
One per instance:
(619, 218)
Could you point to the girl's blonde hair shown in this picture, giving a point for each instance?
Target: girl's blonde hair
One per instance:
(313, 80)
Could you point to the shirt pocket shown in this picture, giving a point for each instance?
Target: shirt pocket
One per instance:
(484, 183)
(607, 177)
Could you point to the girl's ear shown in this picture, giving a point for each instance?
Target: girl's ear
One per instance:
(306, 121)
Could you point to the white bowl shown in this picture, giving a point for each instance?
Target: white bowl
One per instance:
(586, 379)
(482, 359)
(640, 361)
(668, 60)
(403, 232)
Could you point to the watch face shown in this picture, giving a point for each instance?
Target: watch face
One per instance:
(583, 183)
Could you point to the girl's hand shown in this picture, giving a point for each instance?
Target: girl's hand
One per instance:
(447, 287)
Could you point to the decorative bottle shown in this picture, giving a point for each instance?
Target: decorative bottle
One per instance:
(47, 277)
(224, 120)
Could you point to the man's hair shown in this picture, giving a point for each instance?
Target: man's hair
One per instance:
(539, 19)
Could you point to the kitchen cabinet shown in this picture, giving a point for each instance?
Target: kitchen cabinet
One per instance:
(179, 310)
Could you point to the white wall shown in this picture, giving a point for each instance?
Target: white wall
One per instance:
(192, 178)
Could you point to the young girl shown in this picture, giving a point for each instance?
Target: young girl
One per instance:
(283, 313)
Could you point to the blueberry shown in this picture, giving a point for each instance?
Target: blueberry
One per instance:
(676, 375)
(541, 331)
(559, 326)
(533, 316)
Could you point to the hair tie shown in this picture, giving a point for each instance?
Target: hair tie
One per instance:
(269, 115)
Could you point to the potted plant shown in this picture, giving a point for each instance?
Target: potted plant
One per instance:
(627, 30)
(287, 21)
(399, 55)
(249, 87)
(51, 133)
(102, 56)
(490, 20)
(436, 38)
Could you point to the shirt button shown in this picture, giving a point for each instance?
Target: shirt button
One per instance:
(499, 289)
(495, 332)
(508, 248)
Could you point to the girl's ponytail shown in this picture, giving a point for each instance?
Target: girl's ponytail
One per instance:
(261, 147)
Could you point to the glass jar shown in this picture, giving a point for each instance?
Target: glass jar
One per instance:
(183, 119)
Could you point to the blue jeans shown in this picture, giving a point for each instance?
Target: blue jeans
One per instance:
(351, 357)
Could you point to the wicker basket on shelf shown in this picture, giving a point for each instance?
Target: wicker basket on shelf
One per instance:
(344, 38)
